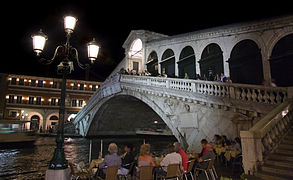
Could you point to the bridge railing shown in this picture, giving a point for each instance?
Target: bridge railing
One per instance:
(264, 137)
(243, 92)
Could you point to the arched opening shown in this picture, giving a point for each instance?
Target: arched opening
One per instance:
(152, 63)
(135, 56)
(168, 63)
(245, 63)
(281, 61)
(125, 115)
(35, 123)
(211, 62)
(186, 63)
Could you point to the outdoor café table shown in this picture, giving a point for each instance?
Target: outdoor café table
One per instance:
(230, 153)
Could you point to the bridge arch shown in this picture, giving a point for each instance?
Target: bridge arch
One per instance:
(211, 62)
(134, 106)
(152, 63)
(281, 62)
(186, 63)
(245, 63)
(135, 55)
(168, 63)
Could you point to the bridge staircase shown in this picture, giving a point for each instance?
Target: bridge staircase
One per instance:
(268, 146)
(279, 165)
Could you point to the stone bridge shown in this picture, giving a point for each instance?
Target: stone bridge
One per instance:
(254, 55)
(192, 109)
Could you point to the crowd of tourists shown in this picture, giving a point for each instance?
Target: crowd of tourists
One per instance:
(217, 77)
(129, 163)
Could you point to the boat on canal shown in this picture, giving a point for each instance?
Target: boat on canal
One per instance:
(15, 133)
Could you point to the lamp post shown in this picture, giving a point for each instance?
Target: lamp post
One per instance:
(63, 53)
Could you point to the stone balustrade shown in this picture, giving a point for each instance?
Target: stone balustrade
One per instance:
(242, 92)
(264, 136)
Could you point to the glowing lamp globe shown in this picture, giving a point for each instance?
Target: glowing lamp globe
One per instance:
(93, 50)
(39, 41)
(69, 23)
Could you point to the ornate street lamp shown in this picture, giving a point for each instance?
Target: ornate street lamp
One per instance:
(64, 52)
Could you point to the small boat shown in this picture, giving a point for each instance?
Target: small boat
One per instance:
(13, 133)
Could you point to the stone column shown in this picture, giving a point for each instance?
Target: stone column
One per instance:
(226, 57)
(251, 151)
(266, 68)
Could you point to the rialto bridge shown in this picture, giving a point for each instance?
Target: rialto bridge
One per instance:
(254, 55)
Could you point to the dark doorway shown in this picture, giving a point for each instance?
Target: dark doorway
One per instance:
(186, 63)
(35, 123)
(135, 66)
(245, 63)
(281, 62)
(168, 63)
(211, 62)
(152, 63)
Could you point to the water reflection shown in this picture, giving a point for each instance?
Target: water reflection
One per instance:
(32, 162)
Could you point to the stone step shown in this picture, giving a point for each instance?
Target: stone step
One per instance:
(285, 146)
(287, 171)
(285, 151)
(289, 136)
(281, 163)
(287, 141)
(271, 176)
(280, 156)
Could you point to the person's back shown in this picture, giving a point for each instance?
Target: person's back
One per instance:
(146, 160)
(171, 158)
(111, 160)
(144, 156)
(183, 155)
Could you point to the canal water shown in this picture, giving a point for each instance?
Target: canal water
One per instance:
(32, 162)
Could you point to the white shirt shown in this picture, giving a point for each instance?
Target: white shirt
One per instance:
(172, 158)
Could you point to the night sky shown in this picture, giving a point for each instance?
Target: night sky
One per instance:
(110, 23)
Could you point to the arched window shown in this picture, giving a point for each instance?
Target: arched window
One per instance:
(186, 63)
(168, 63)
(135, 49)
(135, 55)
(245, 63)
(211, 62)
(152, 63)
(35, 123)
(281, 62)
(54, 117)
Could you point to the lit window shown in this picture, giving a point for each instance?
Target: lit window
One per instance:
(80, 103)
(10, 99)
(38, 100)
(135, 49)
(19, 99)
(31, 100)
(74, 103)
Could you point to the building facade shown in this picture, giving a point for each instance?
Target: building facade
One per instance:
(37, 99)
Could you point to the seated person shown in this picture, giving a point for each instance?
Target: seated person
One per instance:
(171, 158)
(201, 163)
(237, 145)
(204, 143)
(145, 159)
(127, 160)
(110, 160)
(217, 139)
(183, 155)
(225, 141)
